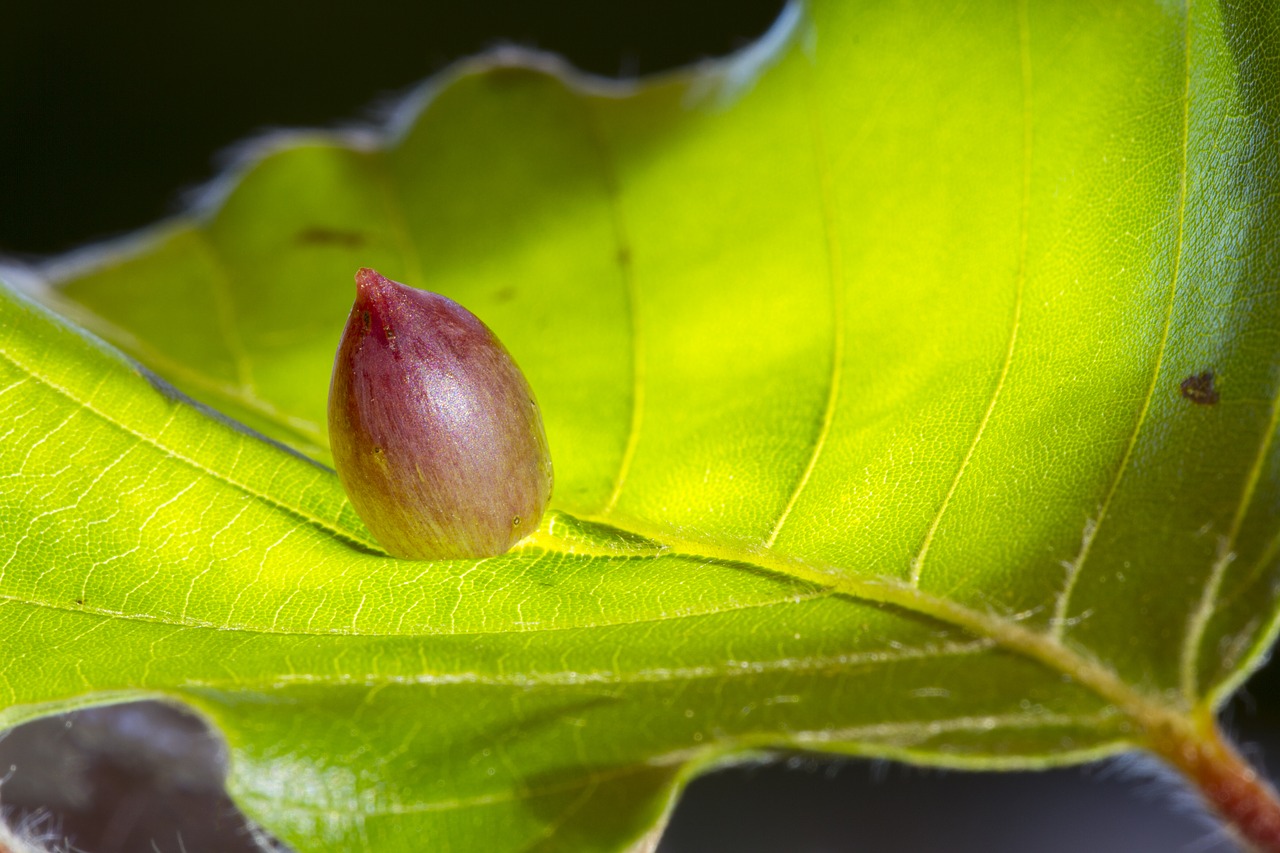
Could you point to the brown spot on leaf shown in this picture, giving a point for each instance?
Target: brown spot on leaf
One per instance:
(504, 294)
(1199, 388)
(319, 235)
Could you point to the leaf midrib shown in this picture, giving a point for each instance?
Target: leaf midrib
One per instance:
(1044, 648)
(1035, 645)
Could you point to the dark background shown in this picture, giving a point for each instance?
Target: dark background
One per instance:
(108, 111)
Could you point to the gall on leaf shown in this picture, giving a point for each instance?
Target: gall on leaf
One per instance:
(435, 433)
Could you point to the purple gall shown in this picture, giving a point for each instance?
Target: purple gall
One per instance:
(435, 432)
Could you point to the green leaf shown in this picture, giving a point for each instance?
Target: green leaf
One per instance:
(862, 356)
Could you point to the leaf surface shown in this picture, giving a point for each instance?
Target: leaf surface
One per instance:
(864, 360)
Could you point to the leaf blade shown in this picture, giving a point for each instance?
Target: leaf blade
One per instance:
(789, 419)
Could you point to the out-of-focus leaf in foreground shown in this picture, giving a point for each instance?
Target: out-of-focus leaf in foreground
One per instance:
(911, 380)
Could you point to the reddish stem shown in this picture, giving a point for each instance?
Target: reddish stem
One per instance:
(1245, 801)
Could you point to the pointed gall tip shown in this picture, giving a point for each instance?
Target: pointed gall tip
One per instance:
(372, 287)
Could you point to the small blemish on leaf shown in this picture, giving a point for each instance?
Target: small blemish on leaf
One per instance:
(515, 522)
(1199, 388)
(366, 320)
(318, 235)
(504, 294)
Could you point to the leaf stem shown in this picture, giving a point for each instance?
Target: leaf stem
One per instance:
(1245, 801)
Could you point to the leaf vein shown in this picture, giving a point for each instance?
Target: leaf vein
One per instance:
(1074, 568)
(1024, 217)
(835, 273)
(86, 405)
(727, 670)
(520, 791)
(626, 271)
(225, 310)
(1198, 621)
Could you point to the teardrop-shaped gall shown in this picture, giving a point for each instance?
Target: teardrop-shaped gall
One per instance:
(435, 432)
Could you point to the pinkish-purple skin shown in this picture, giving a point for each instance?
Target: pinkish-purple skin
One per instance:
(435, 432)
